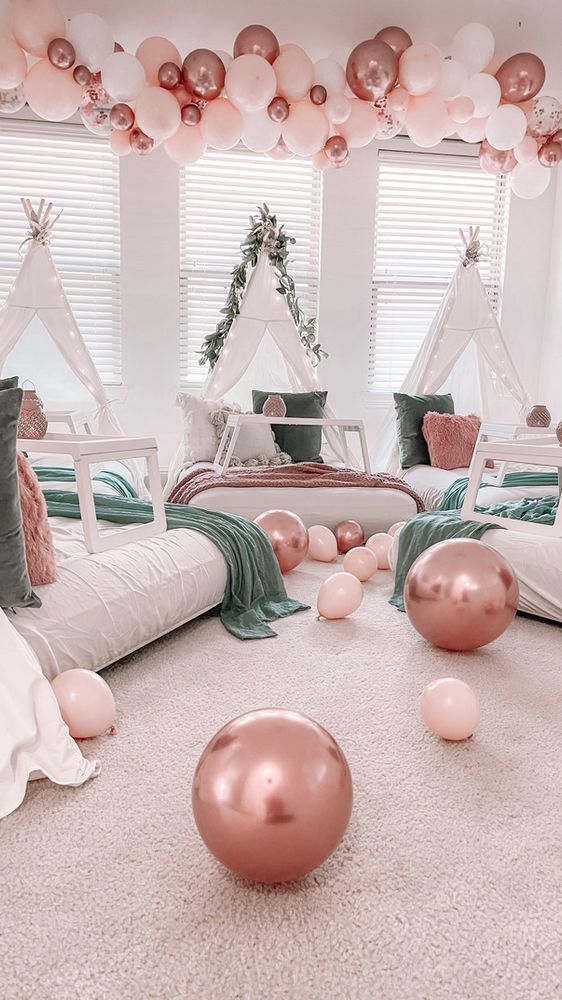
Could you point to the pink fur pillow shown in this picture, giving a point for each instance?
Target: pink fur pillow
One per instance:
(450, 438)
(39, 549)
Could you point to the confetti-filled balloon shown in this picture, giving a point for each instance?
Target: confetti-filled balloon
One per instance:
(545, 117)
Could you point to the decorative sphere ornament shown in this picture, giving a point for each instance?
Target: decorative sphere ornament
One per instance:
(274, 406)
(539, 416)
(559, 431)
(272, 795)
(349, 535)
(190, 114)
(461, 594)
(450, 708)
(318, 94)
(288, 537)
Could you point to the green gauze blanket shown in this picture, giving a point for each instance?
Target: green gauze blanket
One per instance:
(455, 494)
(255, 593)
(51, 473)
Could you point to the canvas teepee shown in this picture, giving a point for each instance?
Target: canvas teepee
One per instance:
(464, 352)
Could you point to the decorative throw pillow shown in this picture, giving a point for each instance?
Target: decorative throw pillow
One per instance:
(451, 438)
(255, 444)
(199, 437)
(39, 549)
(410, 411)
(15, 585)
(303, 444)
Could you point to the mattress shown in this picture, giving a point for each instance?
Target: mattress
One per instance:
(431, 484)
(105, 605)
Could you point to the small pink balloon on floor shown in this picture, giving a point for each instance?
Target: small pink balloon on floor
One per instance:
(339, 596)
(380, 544)
(461, 594)
(450, 708)
(272, 795)
(395, 527)
(288, 537)
(361, 563)
(322, 544)
(349, 534)
(86, 703)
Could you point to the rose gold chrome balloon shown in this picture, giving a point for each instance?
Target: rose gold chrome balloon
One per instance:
(272, 795)
(278, 109)
(349, 534)
(550, 154)
(288, 537)
(398, 39)
(61, 53)
(521, 77)
(461, 594)
(496, 161)
(122, 117)
(336, 149)
(141, 143)
(372, 70)
(257, 40)
(204, 73)
(318, 94)
(82, 75)
(190, 114)
(169, 75)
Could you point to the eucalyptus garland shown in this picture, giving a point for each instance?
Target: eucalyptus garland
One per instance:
(266, 235)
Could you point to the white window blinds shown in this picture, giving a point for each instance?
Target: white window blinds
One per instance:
(423, 199)
(217, 196)
(67, 165)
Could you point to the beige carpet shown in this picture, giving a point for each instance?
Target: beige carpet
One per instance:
(445, 888)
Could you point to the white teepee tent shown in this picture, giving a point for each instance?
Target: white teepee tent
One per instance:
(464, 352)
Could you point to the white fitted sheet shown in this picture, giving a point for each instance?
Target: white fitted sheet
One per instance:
(431, 483)
(104, 605)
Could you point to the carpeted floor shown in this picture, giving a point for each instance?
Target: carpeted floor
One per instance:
(446, 886)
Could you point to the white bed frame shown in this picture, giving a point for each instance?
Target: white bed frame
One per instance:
(88, 449)
(490, 432)
(235, 422)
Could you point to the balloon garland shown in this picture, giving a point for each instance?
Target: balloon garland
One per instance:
(275, 100)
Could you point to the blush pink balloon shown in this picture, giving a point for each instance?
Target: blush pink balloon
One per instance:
(157, 113)
(288, 537)
(294, 72)
(320, 161)
(526, 150)
(380, 543)
(398, 100)
(450, 708)
(461, 110)
(420, 69)
(306, 129)
(187, 145)
(372, 70)
(13, 64)
(153, 53)
(120, 143)
(250, 83)
(257, 40)
(221, 124)
(521, 77)
(86, 703)
(35, 23)
(349, 534)
(52, 93)
(361, 562)
(280, 151)
(398, 39)
(473, 130)
(461, 594)
(272, 795)
(322, 544)
(360, 127)
(427, 120)
(395, 527)
(338, 109)
(339, 596)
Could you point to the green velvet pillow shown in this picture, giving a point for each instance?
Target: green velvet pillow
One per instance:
(410, 411)
(15, 587)
(303, 444)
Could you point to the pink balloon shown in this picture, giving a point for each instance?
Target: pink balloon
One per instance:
(398, 39)
(272, 795)
(204, 73)
(288, 537)
(322, 544)
(280, 152)
(398, 101)
(461, 110)
(221, 124)
(260, 133)
(120, 143)
(86, 703)
(461, 594)
(187, 145)
(320, 161)
(395, 527)
(306, 129)
(157, 113)
(153, 53)
(294, 72)
(183, 96)
(13, 64)
(250, 83)
(372, 70)
(526, 150)
(338, 109)
(450, 708)
(427, 120)
(420, 69)
(361, 562)
(349, 534)
(257, 40)
(496, 161)
(52, 93)
(35, 23)
(339, 596)
(360, 128)
(380, 544)
(473, 130)
(521, 77)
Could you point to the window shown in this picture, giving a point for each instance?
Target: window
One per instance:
(78, 172)
(423, 199)
(217, 195)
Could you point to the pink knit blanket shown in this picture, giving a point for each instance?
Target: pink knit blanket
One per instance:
(306, 475)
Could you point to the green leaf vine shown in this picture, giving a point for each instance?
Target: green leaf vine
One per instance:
(265, 234)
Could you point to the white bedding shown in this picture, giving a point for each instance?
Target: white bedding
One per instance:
(431, 483)
(105, 605)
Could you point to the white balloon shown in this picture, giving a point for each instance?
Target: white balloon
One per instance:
(473, 46)
(473, 130)
(329, 74)
(506, 127)
(259, 133)
(454, 79)
(526, 150)
(123, 76)
(92, 39)
(250, 82)
(485, 92)
(338, 109)
(529, 180)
